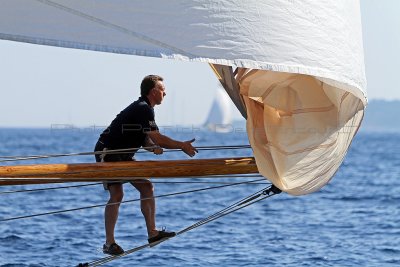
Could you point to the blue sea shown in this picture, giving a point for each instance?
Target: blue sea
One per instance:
(353, 221)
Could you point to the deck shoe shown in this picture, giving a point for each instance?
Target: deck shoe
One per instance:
(113, 249)
(162, 235)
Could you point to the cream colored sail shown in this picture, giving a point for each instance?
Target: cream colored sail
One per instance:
(299, 79)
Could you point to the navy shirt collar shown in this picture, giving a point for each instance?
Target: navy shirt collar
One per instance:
(144, 98)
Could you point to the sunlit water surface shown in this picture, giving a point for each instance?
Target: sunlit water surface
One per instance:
(353, 221)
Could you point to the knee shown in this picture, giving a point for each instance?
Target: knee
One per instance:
(147, 189)
(116, 195)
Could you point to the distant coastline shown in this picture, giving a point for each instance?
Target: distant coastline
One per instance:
(382, 116)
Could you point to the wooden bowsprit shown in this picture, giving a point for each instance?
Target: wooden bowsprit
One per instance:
(120, 171)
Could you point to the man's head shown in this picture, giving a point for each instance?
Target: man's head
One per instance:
(153, 88)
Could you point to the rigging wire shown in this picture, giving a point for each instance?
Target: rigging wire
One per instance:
(244, 202)
(134, 150)
(154, 182)
(126, 201)
(115, 151)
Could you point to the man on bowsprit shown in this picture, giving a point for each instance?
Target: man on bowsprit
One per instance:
(135, 127)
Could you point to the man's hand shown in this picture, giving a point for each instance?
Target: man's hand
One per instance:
(158, 150)
(149, 145)
(167, 142)
(188, 148)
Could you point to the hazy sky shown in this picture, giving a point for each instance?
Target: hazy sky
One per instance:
(41, 85)
(381, 35)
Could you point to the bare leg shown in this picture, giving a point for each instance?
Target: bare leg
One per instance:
(148, 206)
(111, 211)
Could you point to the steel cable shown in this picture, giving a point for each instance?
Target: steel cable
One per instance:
(245, 202)
(154, 182)
(115, 151)
(126, 201)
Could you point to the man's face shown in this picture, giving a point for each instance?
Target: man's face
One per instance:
(159, 92)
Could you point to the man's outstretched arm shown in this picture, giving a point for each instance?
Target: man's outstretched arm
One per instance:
(167, 142)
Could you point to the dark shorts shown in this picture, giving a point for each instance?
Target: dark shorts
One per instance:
(110, 158)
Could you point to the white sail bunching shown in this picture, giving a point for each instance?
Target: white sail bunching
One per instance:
(294, 69)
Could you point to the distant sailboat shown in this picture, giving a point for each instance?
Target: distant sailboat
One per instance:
(220, 116)
(293, 72)
(293, 69)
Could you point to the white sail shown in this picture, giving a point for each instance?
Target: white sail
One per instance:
(220, 115)
(300, 81)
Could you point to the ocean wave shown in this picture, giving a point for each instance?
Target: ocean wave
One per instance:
(11, 238)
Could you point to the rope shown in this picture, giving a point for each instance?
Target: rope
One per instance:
(154, 182)
(126, 201)
(245, 202)
(115, 151)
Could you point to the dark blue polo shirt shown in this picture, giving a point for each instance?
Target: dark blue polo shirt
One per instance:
(128, 129)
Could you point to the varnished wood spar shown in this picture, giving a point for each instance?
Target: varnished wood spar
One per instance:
(128, 170)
